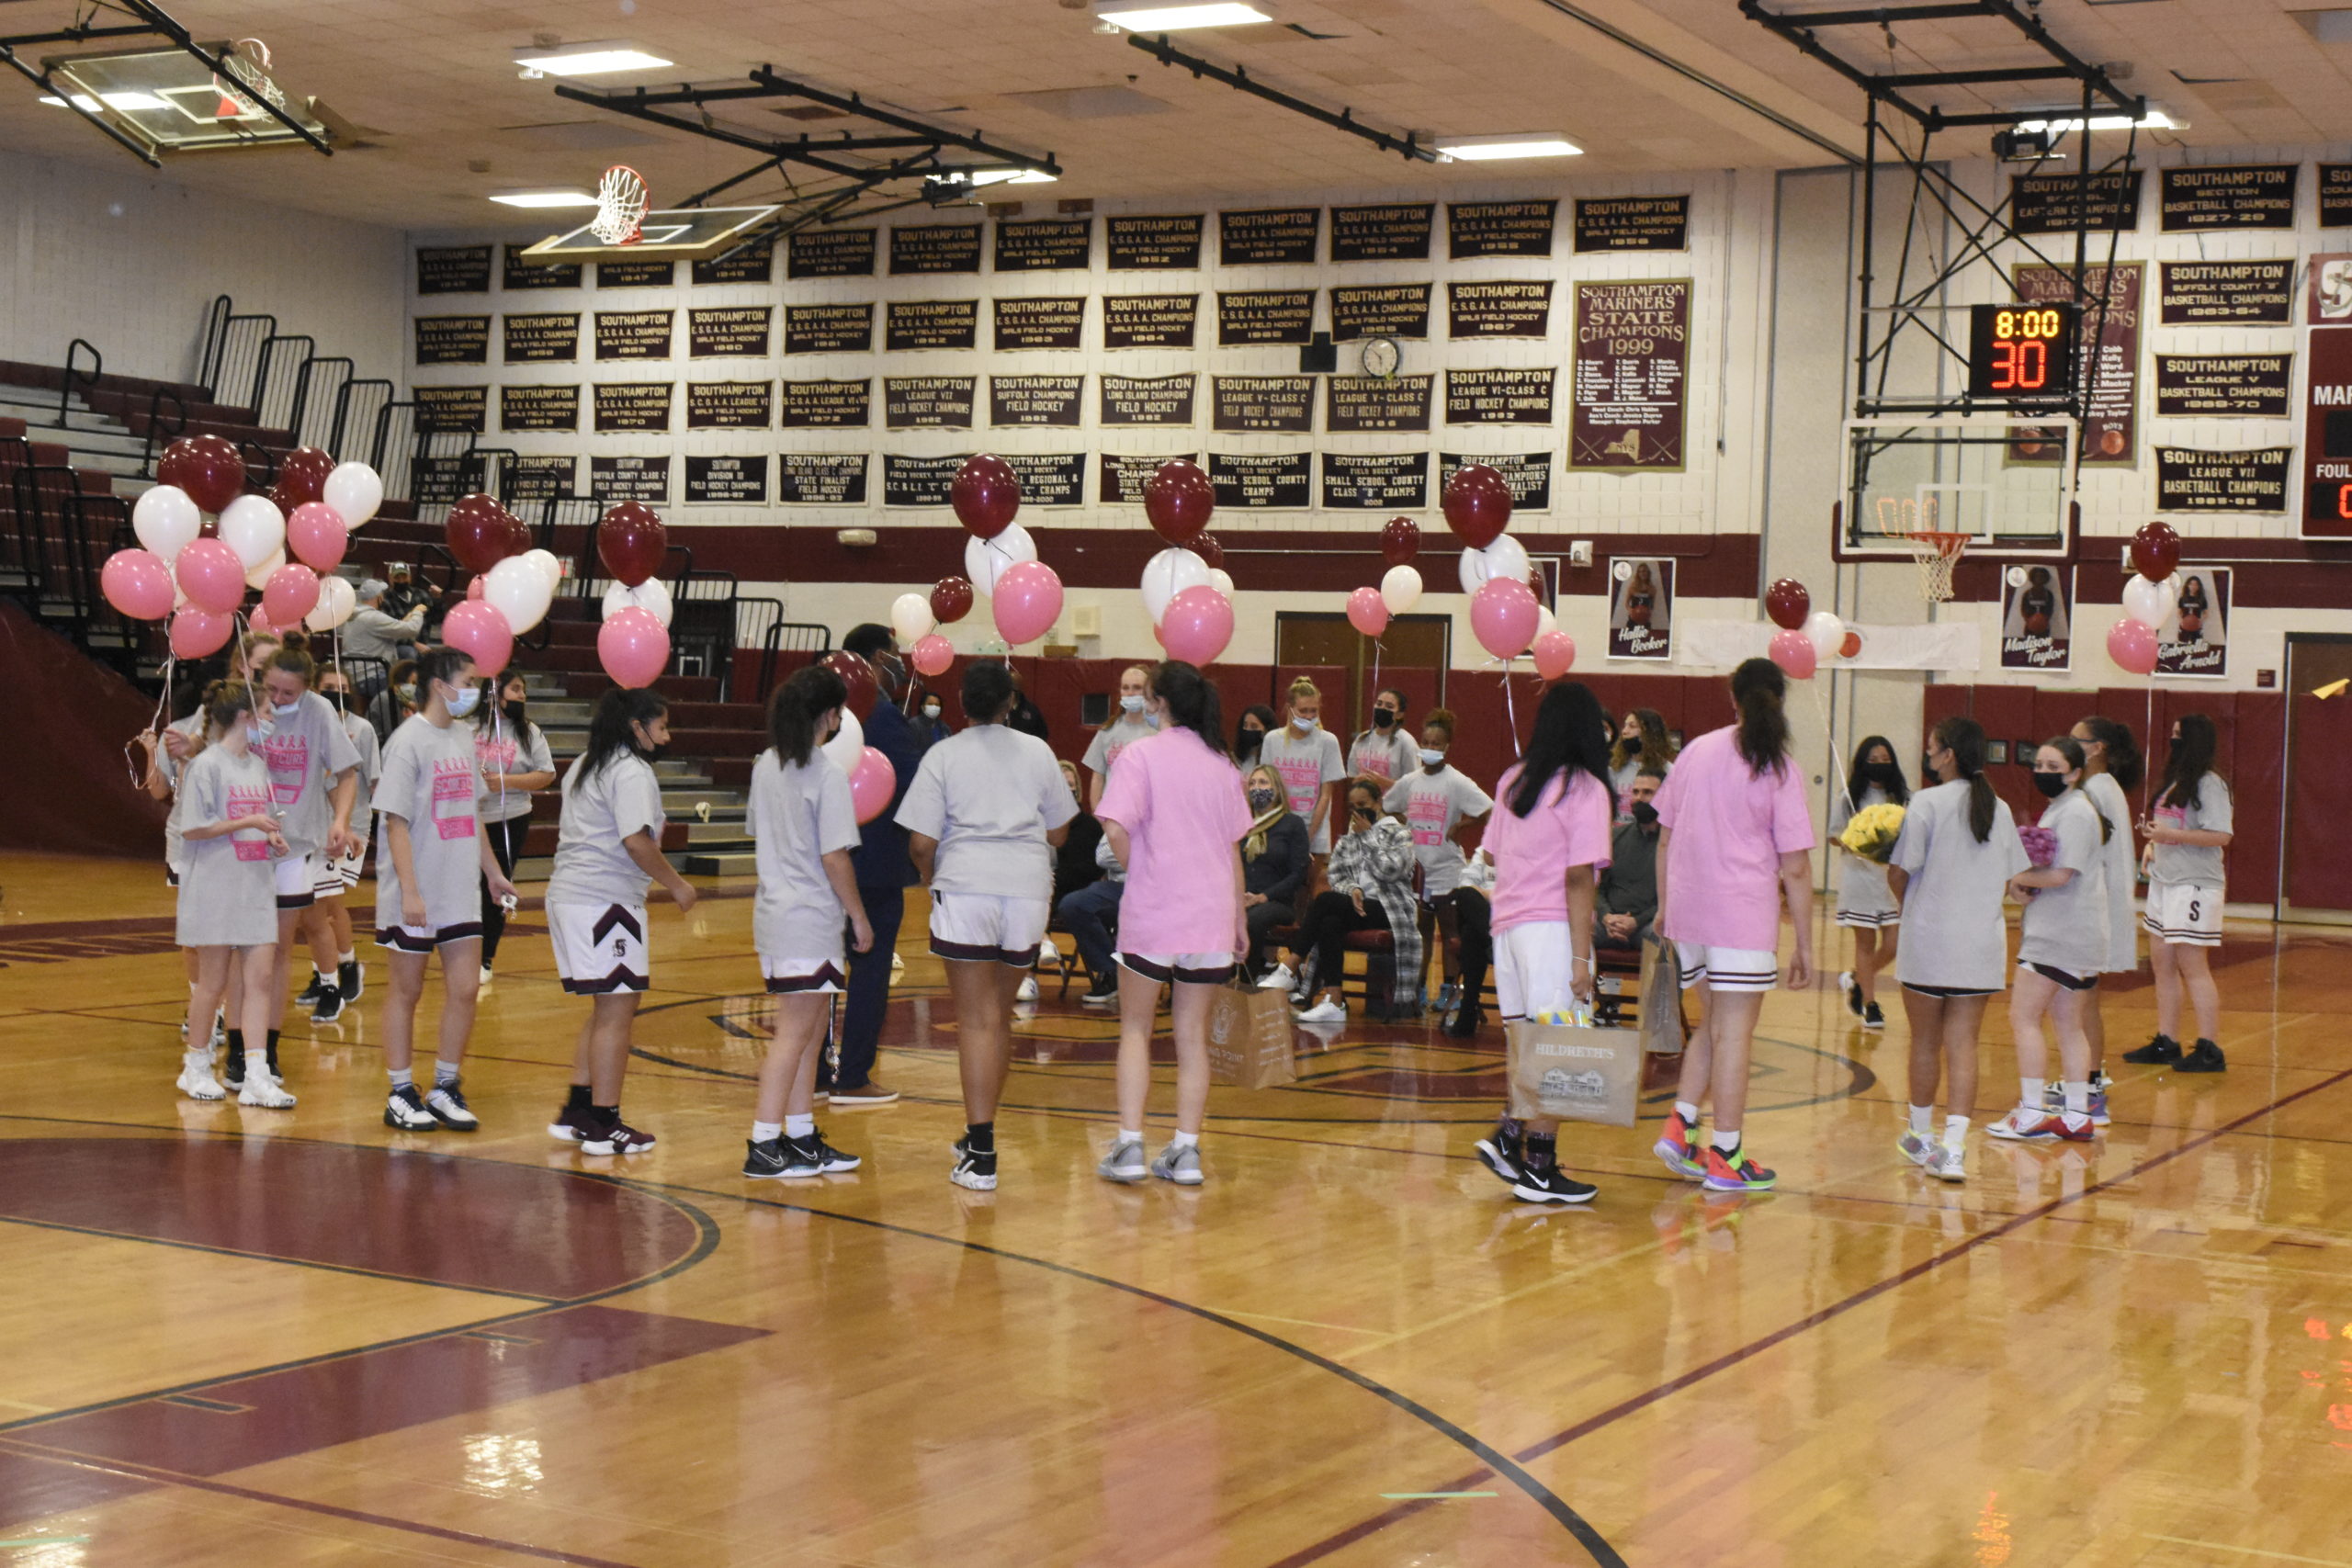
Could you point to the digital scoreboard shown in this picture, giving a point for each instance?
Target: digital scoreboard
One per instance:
(2022, 352)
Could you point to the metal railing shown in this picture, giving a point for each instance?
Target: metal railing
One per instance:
(278, 371)
(233, 349)
(311, 417)
(156, 434)
(775, 637)
(89, 378)
(357, 404)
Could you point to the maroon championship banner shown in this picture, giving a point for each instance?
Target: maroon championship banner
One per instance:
(2108, 355)
(1626, 411)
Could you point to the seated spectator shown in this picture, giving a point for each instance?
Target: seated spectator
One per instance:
(373, 634)
(396, 701)
(1273, 868)
(1090, 915)
(1372, 887)
(1626, 901)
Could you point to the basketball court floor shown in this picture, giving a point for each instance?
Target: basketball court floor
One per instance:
(293, 1338)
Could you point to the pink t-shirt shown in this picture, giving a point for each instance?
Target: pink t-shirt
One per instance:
(1569, 827)
(1181, 806)
(1722, 875)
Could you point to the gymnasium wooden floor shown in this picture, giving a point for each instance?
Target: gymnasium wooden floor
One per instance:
(263, 1338)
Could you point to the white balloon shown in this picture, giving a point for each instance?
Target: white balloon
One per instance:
(257, 576)
(1546, 623)
(547, 565)
(516, 590)
(1400, 589)
(1168, 573)
(848, 747)
(165, 520)
(651, 595)
(1507, 558)
(336, 600)
(254, 527)
(2149, 602)
(985, 559)
(910, 619)
(1825, 632)
(1222, 580)
(354, 492)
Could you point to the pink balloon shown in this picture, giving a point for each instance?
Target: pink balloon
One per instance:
(1794, 653)
(481, 631)
(2132, 645)
(1367, 613)
(211, 575)
(475, 589)
(195, 633)
(138, 583)
(290, 593)
(633, 646)
(1197, 624)
(1504, 615)
(317, 536)
(1028, 599)
(1555, 654)
(872, 784)
(259, 625)
(933, 655)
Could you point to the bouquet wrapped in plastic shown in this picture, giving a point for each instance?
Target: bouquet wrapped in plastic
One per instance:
(1873, 831)
(2041, 845)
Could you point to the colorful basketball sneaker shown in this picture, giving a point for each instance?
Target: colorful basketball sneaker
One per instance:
(1735, 1172)
(1678, 1147)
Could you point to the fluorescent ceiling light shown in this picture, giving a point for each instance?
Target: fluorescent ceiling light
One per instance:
(588, 60)
(998, 176)
(1148, 19)
(1525, 144)
(2154, 120)
(545, 198)
(120, 101)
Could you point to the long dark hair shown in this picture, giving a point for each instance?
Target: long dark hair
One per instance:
(2187, 761)
(1192, 703)
(1571, 732)
(1758, 687)
(812, 692)
(1899, 792)
(988, 691)
(2124, 763)
(608, 732)
(1655, 748)
(1964, 739)
(2066, 746)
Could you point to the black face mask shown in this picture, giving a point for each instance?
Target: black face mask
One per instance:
(1886, 776)
(1247, 742)
(2051, 785)
(1384, 718)
(515, 715)
(1644, 813)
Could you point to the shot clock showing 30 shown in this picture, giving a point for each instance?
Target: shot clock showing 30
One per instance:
(2022, 352)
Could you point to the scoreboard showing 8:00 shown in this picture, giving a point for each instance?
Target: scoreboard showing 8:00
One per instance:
(2021, 352)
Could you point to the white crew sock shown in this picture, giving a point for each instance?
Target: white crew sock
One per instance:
(1955, 1131)
(2029, 1093)
(403, 1077)
(1131, 1134)
(1688, 1111)
(766, 1132)
(799, 1127)
(2078, 1099)
(1183, 1140)
(1923, 1119)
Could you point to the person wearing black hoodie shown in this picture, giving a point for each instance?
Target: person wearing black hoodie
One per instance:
(884, 872)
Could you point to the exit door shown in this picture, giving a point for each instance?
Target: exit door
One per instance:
(1412, 657)
(2318, 852)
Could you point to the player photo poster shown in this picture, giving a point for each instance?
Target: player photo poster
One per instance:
(2195, 638)
(2036, 617)
(1641, 608)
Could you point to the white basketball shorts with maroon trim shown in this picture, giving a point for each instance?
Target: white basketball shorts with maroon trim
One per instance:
(600, 949)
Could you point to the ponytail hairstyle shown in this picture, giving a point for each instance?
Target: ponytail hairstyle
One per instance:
(989, 691)
(609, 735)
(2066, 746)
(439, 664)
(1112, 719)
(1758, 686)
(1192, 703)
(2124, 763)
(1964, 739)
(291, 658)
(1571, 733)
(223, 702)
(812, 692)
(2187, 761)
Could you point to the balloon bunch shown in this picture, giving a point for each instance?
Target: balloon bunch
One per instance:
(1505, 615)
(872, 779)
(1807, 636)
(2149, 597)
(1000, 559)
(633, 645)
(512, 589)
(199, 579)
(1186, 591)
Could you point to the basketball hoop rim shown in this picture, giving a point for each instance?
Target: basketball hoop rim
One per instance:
(1948, 545)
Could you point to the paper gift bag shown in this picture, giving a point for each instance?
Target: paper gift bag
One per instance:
(1250, 1042)
(1575, 1074)
(1661, 1008)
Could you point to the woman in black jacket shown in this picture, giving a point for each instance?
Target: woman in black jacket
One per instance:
(1274, 862)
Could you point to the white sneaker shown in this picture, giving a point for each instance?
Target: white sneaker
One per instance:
(485, 974)
(261, 1091)
(197, 1081)
(1324, 1012)
(1049, 955)
(1280, 979)
(1917, 1146)
(1946, 1163)
(1028, 991)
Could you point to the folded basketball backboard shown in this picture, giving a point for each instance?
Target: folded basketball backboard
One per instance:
(692, 232)
(168, 100)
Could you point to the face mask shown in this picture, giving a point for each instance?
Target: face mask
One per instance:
(1364, 816)
(287, 710)
(1644, 813)
(2051, 785)
(1432, 758)
(931, 710)
(1886, 776)
(1248, 741)
(465, 702)
(1132, 704)
(255, 734)
(406, 693)
(1303, 724)
(1383, 719)
(1262, 800)
(513, 712)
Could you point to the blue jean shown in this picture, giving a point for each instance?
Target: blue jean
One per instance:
(1089, 915)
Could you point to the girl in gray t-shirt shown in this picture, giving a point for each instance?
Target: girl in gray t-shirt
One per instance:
(2062, 947)
(2188, 825)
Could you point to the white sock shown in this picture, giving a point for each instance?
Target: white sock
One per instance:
(258, 1060)
(799, 1127)
(766, 1132)
(1922, 1118)
(2029, 1092)
(1688, 1111)
(1726, 1142)
(445, 1073)
(1130, 1135)
(2078, 1099)
(1955, 1131)
(349, 956)
(403, 1077)
(1183, 1140)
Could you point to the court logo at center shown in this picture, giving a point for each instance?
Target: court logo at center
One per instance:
(1641, 608)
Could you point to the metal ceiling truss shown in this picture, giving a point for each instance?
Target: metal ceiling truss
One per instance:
(1409, 146)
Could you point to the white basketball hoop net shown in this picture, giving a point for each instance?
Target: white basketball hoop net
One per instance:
(620, 206)
(1936, 554)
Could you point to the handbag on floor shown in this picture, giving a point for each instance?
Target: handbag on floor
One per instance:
(1574, 1072)
(1250, 1037)
(1661, 1008)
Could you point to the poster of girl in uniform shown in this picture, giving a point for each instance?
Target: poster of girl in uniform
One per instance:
(2194, 639)
(1641, 608)
(2037, 618)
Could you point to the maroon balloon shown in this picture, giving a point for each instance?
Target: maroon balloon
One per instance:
(985, 494)
(1206, 546)
(479, 533)
(1478, 505)
(207, 467)
(2156, 551)
(1178, 501)
(302, 475)
(519, 534)
(858, 675)
(631, 541)
(1400, 541)
(1788, 603)
(951, 600)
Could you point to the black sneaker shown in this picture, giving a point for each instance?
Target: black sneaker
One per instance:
(405, 1110)
(270, 1058)
(779, 1159)
(973, 1168)
(1872, 1017)
(2161, 1052)
(1467, 1020)
(1498, 1152)
(329, 1006)
(233, 1067)
(1549, 1186)
(351, 979)
(1102, 991)
(828, 1160)
(2202, 1058)
(1853, 989)
(312, 992)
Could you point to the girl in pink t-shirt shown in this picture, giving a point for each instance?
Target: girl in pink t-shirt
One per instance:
(1174, 814)
(1548, 833)
(1737, 840)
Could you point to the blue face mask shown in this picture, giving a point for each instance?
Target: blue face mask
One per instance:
(1132, 704)
(1303, 724)
(254, 735)
(465, 702)
(1432, 758)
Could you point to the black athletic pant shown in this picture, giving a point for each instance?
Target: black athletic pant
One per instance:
(505, 844)
(868, 995)
(1475, 930)
(1261, 919)
(1329, 920)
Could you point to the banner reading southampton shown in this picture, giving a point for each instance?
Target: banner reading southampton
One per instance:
(1627, 411)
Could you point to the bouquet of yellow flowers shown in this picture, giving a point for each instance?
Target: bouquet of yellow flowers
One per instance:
(1872, 833)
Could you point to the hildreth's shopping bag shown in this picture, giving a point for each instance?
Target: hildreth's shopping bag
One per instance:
(1575, 1073)
(1249, 1038)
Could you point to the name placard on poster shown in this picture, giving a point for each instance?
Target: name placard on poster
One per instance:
(2195, 638)
(829, 252)
(2055, 204)
(2335, 196)
(452, 410)
(2225, 293)
(1053, 479)
(1362, 404)
(636, 274)
(820, 479)
(2108, 352)
(1385, 232)
(2327, 434)
(919, 482)
(734, 481)
(1269, 482)
(2223, 386)
(632, 334)
(1036, 400)
(1262, 317)
(632, 408)
(1641, 608)
(1382, 309)
(452, 340)
(2250, 481)
(517, 274)
(1269, 236)
(1499, 396)
(550, 338)
(927, 402)
(756, 264)
(1375, 481)
(1039, 324)
(2239, 196)
(1474, 229)
(1121, 477)
(2037, 618)
(1149, 320)
(1152, 243)
(612, 480)
(1147, 399)
(538, 408)
(730, 405)
(1633, 223)
(827, 405)
(1499, 309)
(915, 324)
(1045, 245)
(829, 329)
(1263, 403)
(1528, 475)
(936, 248)
(453, 269)
(728, 331)
(535, 476)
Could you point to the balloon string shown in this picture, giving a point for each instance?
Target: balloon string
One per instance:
(1511, 704)
(1837, 762)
